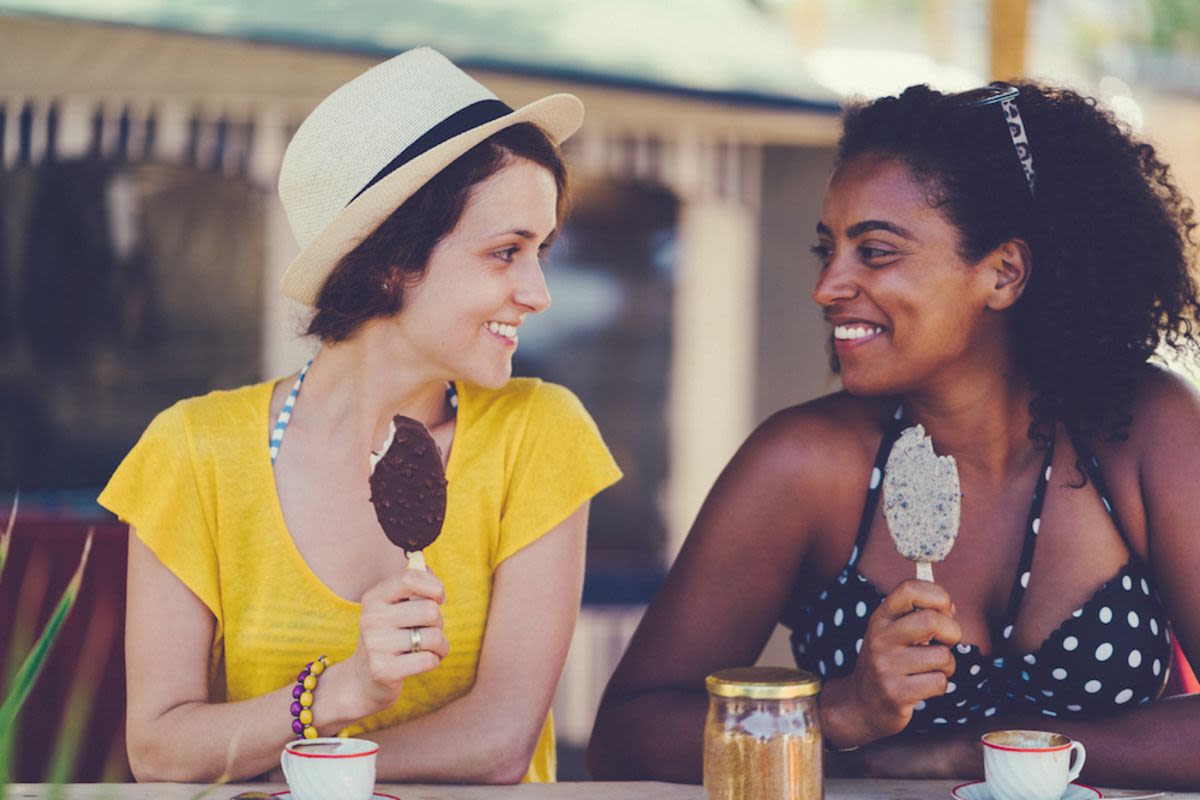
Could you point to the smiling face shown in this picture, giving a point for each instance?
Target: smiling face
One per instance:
(906, 310)
(484, 277)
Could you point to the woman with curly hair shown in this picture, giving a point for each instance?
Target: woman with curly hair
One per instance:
(999, 266)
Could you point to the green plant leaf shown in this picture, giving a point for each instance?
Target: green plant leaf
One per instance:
(6, 539)
(31, 595)
(28, 674)
(85, 688)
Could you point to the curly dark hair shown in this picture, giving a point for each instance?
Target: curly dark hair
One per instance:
(1109, 231)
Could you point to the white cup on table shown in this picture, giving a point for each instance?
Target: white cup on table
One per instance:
(1029, 765)
(324, 768)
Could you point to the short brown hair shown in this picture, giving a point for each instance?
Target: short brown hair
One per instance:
(396, 253)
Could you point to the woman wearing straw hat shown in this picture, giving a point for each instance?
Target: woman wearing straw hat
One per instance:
(422, 205)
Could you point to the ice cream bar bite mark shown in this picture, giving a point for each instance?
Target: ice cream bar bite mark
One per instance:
(921, 500)
(408, 488)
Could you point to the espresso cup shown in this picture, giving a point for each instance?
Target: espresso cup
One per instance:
(1029, 765)
(320, 769)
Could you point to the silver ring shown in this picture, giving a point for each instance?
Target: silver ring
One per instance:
(415, 633)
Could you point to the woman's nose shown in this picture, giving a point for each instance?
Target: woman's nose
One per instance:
(532, 292)
(836, 283)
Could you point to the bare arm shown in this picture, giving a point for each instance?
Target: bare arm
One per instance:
(716, 609)
(758, 535)
(535, 603)
(489, 735)
(168, 639)
(1151, 746)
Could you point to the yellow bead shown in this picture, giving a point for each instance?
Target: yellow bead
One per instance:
(306, 716)
(318, 667)
(310, 732)
(310, 683)
(306, 699)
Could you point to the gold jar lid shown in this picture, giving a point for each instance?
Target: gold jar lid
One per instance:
(763, 683)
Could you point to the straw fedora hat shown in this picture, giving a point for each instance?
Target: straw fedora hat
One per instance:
(376, 140)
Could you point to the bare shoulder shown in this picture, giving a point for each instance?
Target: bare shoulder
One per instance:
(801, 473)
(1166, 411)
(802, 476)
(819, 440)
(1164, 422)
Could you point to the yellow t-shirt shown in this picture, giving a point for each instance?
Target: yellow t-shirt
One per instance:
(199, 489)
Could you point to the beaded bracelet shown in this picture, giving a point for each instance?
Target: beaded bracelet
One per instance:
(302, 698)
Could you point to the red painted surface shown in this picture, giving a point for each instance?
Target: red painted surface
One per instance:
(42, 557)
(1183, 678)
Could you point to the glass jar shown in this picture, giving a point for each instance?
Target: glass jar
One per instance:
(762, 737)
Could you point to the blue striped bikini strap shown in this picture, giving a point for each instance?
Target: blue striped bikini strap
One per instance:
(891, 432)
(285, 414)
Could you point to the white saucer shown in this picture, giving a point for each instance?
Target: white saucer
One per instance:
(288, 796)
(977, 790)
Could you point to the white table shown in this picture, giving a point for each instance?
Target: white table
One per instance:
(835, 789)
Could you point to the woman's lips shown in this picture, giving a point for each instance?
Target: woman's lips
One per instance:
(850, 335)
(502, 332)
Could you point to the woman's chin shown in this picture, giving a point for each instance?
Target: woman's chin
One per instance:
(864, 386)
(493, 378)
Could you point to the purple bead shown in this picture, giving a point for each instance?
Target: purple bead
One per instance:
(297, 728)
(296, 708)
(303, 674)
(308, 666)
(297, 690)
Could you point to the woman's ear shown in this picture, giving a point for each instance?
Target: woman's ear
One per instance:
(1008, 266)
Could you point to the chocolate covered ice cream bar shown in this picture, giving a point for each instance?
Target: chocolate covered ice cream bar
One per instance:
(408, 486)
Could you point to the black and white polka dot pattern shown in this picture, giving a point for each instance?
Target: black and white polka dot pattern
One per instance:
(1109, 654)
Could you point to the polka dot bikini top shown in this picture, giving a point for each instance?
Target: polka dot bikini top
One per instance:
(1111, 652)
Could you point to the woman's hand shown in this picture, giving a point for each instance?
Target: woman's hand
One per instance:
(905, 658)
(491, 733)
(391, 610)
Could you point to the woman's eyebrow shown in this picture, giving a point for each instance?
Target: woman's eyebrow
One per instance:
(859, 228)
(524, 234)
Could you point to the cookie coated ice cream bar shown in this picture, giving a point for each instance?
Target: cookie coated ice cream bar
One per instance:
(921, 500)
(408, 488)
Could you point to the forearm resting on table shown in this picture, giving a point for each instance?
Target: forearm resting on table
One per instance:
(652, 735)
(199, 741)
(1152, 746)
(486, 736)
(469, 740)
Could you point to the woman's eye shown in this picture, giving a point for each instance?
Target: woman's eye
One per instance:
(507, 254)
(822, 252)
(876, 254)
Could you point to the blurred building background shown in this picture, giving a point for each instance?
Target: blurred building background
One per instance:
(141, 241)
